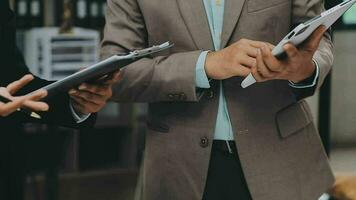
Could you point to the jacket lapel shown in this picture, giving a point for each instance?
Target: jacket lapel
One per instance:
(233, 9)
(195, 18)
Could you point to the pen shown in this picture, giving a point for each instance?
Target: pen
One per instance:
(23, 110)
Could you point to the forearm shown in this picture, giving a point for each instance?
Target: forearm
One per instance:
(323, 59)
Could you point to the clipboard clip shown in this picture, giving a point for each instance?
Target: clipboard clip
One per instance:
(150, 50)
(133, 55)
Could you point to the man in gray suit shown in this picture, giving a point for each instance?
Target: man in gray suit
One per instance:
(207, 137)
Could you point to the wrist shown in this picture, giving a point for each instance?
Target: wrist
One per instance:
(210, 63)
(78, 116)
(77, 108)
(309, 71)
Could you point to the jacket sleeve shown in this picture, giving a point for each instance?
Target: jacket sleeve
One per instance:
(302, 11)
(162, 78)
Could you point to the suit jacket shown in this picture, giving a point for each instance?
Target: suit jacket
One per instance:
(12, 68)
(278, 144)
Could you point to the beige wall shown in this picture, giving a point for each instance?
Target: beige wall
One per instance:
(343, 112)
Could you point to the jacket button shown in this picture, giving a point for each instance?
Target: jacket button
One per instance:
(183, 97)
(210, 94)
(176, 97)
(204, 142)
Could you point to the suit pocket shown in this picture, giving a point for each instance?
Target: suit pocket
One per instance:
(258, 5)
(292, 119)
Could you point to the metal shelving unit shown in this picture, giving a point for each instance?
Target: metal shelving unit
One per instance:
(53, 56)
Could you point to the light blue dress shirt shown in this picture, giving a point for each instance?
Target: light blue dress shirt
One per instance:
(215, 13)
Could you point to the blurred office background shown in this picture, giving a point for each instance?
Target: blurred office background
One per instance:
(103, 163)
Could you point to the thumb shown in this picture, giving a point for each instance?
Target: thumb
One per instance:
(314, 39)
(242, 71)
(6, 109)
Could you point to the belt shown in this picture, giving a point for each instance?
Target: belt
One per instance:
(225, 146)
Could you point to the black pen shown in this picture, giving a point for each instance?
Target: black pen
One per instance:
(23, 110)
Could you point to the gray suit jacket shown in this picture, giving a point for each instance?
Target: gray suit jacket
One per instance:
(278, 144)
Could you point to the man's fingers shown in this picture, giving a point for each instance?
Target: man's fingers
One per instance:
(31, 101)
(251, 51)
(248, 61)
(115, 78)
(291, 50)
(242, 71)
(17, 85)
(37, 95)
(84, 106)
(271, 46)
(262, 68)
(8, 108)
(101, 90)
(271, 62)
(256, 44)
(89, 97)
(5, 93)
(313, 41)
(253, 47)
(256, 75)
(28, 101)
(36, 105)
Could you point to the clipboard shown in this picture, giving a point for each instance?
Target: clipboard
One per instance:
(102, 69)
(299, 34)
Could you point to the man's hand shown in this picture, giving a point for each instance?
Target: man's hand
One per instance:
(90, 98)
(296, 67)
(235, 60)
(29, 101)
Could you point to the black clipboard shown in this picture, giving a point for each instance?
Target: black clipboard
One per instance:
(102, 69)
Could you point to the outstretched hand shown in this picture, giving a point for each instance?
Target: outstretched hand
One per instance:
(30, 101)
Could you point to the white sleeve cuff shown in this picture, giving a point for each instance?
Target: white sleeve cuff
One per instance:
(201, 79)
(312, 84)
(79, 118)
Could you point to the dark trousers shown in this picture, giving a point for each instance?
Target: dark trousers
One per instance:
(225, 180)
